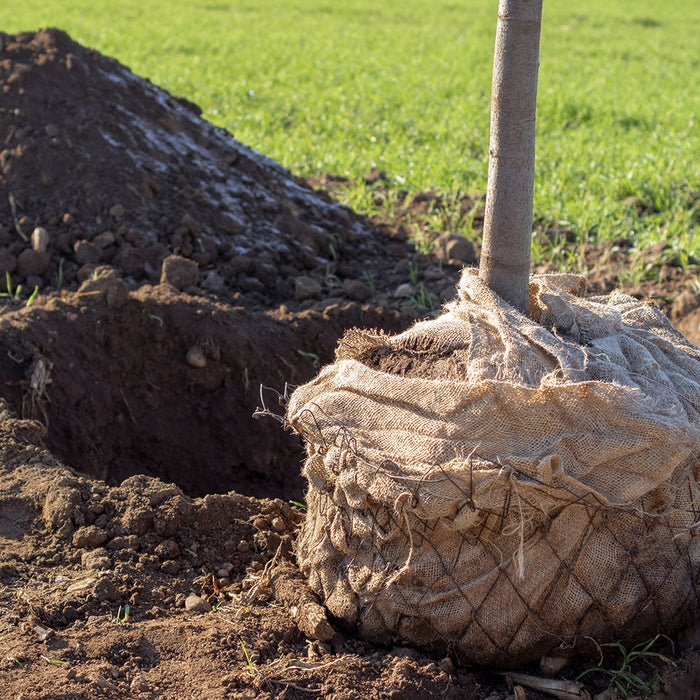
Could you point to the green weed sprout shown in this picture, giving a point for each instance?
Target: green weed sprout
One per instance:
(54, 662)
(312, 356)
(251, 668)
(33, 296)
(11, 293)
(59, 274)
(331, 279)
(122, 616)
(422, 299)
(14, 293)
(624, 678)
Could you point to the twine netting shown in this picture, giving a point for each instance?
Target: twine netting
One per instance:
(495, 486)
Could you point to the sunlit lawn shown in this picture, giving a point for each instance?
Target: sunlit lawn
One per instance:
(404, 86)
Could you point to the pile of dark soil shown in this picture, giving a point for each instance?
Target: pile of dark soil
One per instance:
(118, 172)
(146, 530)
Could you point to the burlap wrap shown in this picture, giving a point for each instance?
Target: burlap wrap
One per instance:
(496, 486)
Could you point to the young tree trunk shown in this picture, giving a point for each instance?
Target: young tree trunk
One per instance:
(505, 253)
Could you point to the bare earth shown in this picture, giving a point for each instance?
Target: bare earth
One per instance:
(147, 520)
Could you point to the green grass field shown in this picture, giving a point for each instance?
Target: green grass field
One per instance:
(405, 86)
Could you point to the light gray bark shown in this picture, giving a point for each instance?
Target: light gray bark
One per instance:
(505, 254)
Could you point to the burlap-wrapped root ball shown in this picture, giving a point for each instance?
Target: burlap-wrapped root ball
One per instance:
(495, 486)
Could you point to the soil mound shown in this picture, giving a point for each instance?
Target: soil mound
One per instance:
(119, 172)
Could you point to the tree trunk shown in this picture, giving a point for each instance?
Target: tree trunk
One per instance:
(505, 254)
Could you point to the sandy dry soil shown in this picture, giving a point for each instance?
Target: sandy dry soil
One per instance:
(147, 519)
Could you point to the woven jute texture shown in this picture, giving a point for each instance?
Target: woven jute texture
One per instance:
(497, 487)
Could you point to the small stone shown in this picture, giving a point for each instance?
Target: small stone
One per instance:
(266, 273)
(67, 219)
(193, 603)
(117, 211)
(148, 560)
(306, 288)
(40, 239)
(357, 290)
(104, 240)
(405, 290)
(32, 262)
(195, 357)
(179, 272)
(89, 536)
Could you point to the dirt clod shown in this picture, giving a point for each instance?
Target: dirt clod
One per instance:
(89, 536)
(195, 604)
(180, 272)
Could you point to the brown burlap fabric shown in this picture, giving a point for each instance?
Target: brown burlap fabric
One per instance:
(496, 486)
